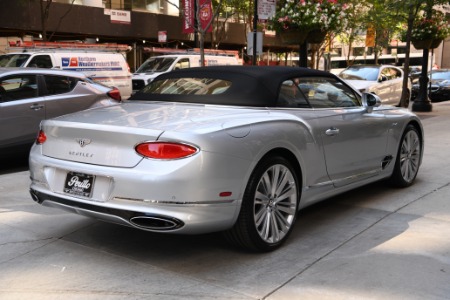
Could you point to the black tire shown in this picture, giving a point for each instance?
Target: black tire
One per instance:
(269, 206)
(408, 158)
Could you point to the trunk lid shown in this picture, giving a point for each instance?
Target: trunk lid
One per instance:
(107, 136)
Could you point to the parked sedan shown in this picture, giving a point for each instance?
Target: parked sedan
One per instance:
(383, 80)
(237, 149)
(438, 87)
(28, 96)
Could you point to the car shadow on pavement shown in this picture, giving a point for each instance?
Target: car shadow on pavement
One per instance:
(14, 162)
(320, 230)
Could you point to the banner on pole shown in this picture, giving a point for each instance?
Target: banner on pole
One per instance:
(370, 36)
(205, 14)
(188, 16)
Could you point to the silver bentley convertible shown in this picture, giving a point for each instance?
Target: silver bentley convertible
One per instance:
(236, 149)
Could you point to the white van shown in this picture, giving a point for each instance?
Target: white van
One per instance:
(108, 68)
(157, 65)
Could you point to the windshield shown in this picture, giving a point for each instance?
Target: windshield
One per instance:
(13, 60)
(440, 75)
(156, 64)
(369, 73)
(4, 59)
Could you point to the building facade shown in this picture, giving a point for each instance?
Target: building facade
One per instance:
(148, 24)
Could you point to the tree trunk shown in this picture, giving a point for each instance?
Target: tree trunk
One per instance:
(45, 11)
(403, 100)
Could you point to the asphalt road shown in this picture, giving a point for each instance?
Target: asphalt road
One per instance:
(376, 242)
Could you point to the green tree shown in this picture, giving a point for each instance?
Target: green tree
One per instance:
(231, 11)
(383, 20)
(406, 12)
(356, 23)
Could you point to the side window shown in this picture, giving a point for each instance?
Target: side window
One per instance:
(385, 74)
(182, 64)
(41, 61)
(390, 73)
(396, 73)
(328, 93)
(59, 84)
(291, 96)
(18, 87)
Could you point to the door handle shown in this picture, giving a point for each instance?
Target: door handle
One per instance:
(37, 106)
(332, 131)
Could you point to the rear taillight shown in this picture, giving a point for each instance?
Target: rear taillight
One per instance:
(41, 138)
(165, 150)
(115, 94)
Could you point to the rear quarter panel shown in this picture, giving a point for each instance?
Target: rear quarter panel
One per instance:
(249, 140)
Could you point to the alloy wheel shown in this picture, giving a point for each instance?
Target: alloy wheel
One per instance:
(275, 203)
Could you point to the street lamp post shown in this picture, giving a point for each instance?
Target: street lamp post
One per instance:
(422, 103)
(255, 31)
(303, 51)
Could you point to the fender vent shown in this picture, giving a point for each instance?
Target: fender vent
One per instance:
(386, 161)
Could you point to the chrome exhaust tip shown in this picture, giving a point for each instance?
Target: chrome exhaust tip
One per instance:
(35, 197)
(156, 223)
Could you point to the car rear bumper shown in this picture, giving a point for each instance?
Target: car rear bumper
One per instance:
(182, 219)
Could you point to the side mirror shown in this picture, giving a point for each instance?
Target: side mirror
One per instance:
(370, 101)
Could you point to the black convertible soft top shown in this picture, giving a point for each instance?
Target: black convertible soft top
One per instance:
(251, 85)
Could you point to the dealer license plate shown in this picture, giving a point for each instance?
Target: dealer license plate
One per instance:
(79, 184)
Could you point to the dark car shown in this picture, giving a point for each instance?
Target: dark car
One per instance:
(438, 87)
(414, 73)
(28, 96)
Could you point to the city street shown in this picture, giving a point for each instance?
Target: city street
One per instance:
(376, 242)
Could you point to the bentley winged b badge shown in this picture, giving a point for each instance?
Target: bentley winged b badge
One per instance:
(83, 142)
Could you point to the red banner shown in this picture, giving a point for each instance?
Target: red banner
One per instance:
(205, 15)
(188, 16)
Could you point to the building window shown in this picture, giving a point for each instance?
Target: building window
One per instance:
(118, 4)
(153, 6)
(157, 6)
(336, 52)
(358, 51)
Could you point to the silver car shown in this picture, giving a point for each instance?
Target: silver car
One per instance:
(385, 81)
(236, 149)
(28, 96)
